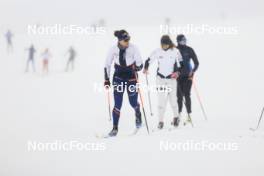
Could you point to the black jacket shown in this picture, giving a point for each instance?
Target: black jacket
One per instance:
(188, 54)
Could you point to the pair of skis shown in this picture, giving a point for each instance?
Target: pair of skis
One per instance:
(136, 130)
(105, 136)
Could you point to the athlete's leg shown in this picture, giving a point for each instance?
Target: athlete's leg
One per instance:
(162, 98)
(118, 85)
(180, 94)
(187, 93)
(132, 92)
(172, 97)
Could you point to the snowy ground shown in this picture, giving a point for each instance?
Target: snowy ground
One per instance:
(63, 106)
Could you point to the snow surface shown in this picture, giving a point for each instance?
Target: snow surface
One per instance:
(63, 106)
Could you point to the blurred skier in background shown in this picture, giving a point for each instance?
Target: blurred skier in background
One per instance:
(186, 75)
(45, 60)
(127, 60)
(31, 52)
(168, 58)
(9, 35)
(101, 22)
(71, 59)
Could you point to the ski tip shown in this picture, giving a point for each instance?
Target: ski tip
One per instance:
(252, 129)
(98, 136)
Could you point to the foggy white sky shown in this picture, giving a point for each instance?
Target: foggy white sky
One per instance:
(120, 11)
(64, 106)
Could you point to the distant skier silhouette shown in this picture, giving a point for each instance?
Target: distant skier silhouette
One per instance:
(31, 52)
(9, 35)
(45, 61)
(71, 59)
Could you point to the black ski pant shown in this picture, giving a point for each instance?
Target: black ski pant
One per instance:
(184, 91)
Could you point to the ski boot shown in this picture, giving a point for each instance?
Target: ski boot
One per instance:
(175, 122)
(113, 132)
(187, 120)
(138, 120)
(160, 125)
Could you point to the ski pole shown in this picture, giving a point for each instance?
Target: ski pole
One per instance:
(150, 107)
(254, 129)
(109, 104)
(199, 99)
(141, 99)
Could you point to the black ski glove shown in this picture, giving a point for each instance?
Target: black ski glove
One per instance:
(138, 68)
(146, 66)
(107, 84)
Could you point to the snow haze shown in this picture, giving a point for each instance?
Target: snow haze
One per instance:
(63, 106)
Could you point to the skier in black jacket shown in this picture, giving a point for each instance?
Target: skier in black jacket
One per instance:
(186, 75)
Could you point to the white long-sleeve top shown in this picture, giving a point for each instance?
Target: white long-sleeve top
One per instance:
(46, 56)
(132, 55)
(166, 60)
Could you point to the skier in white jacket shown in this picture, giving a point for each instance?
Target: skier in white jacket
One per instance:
(127, 62)
(45, 61)
(168, 57)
